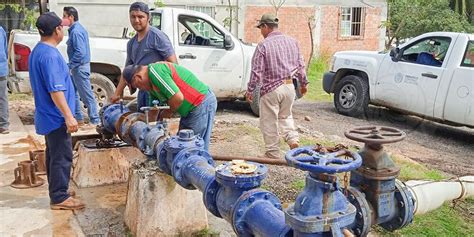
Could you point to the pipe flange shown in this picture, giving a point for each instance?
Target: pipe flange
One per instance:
(363, 218)
(210, 197)
(381, 174)
(181, 162)
(244, 203)
(245, 181)
(127, 126)
(406, 208)
(161, 157)
(118, 125)
(319, 223)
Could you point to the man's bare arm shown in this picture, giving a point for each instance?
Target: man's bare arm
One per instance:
(172, 59)
(60, 102)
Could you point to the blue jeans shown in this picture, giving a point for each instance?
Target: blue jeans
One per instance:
(82, 84)
(3, 103)
(142, 99)
(58, 163)
(201, 118)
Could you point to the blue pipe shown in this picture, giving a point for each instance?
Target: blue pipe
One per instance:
(234, 197)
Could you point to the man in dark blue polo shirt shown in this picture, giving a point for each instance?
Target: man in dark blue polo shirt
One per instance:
(54, 96)
(149, 45)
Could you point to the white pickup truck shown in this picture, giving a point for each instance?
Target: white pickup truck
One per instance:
(431, 76)
(201, 44)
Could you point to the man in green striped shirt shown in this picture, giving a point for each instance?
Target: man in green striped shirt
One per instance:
(181, 90)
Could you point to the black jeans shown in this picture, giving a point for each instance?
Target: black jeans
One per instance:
(58, 163)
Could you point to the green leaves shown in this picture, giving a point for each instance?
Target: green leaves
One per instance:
(409, 18)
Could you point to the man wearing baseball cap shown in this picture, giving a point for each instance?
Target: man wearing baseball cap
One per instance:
(54, 96)
(276, 61)
(181, 90)
(149, 45)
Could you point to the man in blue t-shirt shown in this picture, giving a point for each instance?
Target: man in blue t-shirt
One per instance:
(54, 96)
(3, 83)
(149, 45)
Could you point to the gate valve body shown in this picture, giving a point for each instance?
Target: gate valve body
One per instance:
(378, 197)
(321, 209)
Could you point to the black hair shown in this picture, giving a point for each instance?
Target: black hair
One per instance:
(71, 11)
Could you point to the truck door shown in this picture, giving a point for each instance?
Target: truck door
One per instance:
(199, 46)
(410, 81)
(459, 106)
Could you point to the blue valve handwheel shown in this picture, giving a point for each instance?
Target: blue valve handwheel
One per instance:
(306, 158)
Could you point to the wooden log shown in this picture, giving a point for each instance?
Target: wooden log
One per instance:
(158, 206)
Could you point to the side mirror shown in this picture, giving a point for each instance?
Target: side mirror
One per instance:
(228, 42)
(394, 53)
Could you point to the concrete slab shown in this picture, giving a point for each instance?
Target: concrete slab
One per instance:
(26, 212)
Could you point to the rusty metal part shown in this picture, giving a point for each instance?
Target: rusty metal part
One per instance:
(40, 161)
(242, 167)
(327, 149)
(269, 161)
(128, 123)
(76, 138)
(118, 125)
(375, 134)
(380, 174)
(25, 175)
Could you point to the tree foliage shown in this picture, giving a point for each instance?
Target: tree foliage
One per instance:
(409, 18)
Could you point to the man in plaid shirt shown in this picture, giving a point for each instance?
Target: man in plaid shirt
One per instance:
(276, 61)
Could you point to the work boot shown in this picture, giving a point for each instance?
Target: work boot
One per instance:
(71, 193)
(68, 204)
(293, 145)
(268, 156)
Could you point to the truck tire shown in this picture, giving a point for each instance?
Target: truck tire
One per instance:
(102, 88)
(255, 102)
(351, 96)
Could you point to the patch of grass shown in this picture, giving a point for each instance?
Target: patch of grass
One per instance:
(298, 184)
(444, 221)
(411, 170)
(206, 233)
(20, 97)
(316, 70)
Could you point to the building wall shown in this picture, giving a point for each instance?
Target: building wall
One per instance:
(331, 41)
(325, 23)
(293, 21)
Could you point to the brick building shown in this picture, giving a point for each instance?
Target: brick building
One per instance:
(335, 24)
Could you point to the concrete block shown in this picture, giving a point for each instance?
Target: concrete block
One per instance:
(94, 167)
(158, 206)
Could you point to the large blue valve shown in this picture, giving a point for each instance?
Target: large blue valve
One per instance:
(306, 158)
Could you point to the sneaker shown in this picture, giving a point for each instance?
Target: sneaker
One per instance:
(4, 131)
(80, 123)
(68, 204)
(88, 126)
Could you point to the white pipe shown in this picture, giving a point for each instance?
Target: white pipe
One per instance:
(430, 195)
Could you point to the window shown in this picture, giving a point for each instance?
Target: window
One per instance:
(468, 59)
(156, 20)
(196, 31)
(428, 51)
(352, 21)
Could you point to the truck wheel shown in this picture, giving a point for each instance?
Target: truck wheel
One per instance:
(102, 88)
(351, 96)
(255, 101)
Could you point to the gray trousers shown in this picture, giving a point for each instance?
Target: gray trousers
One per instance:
(3, 103)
